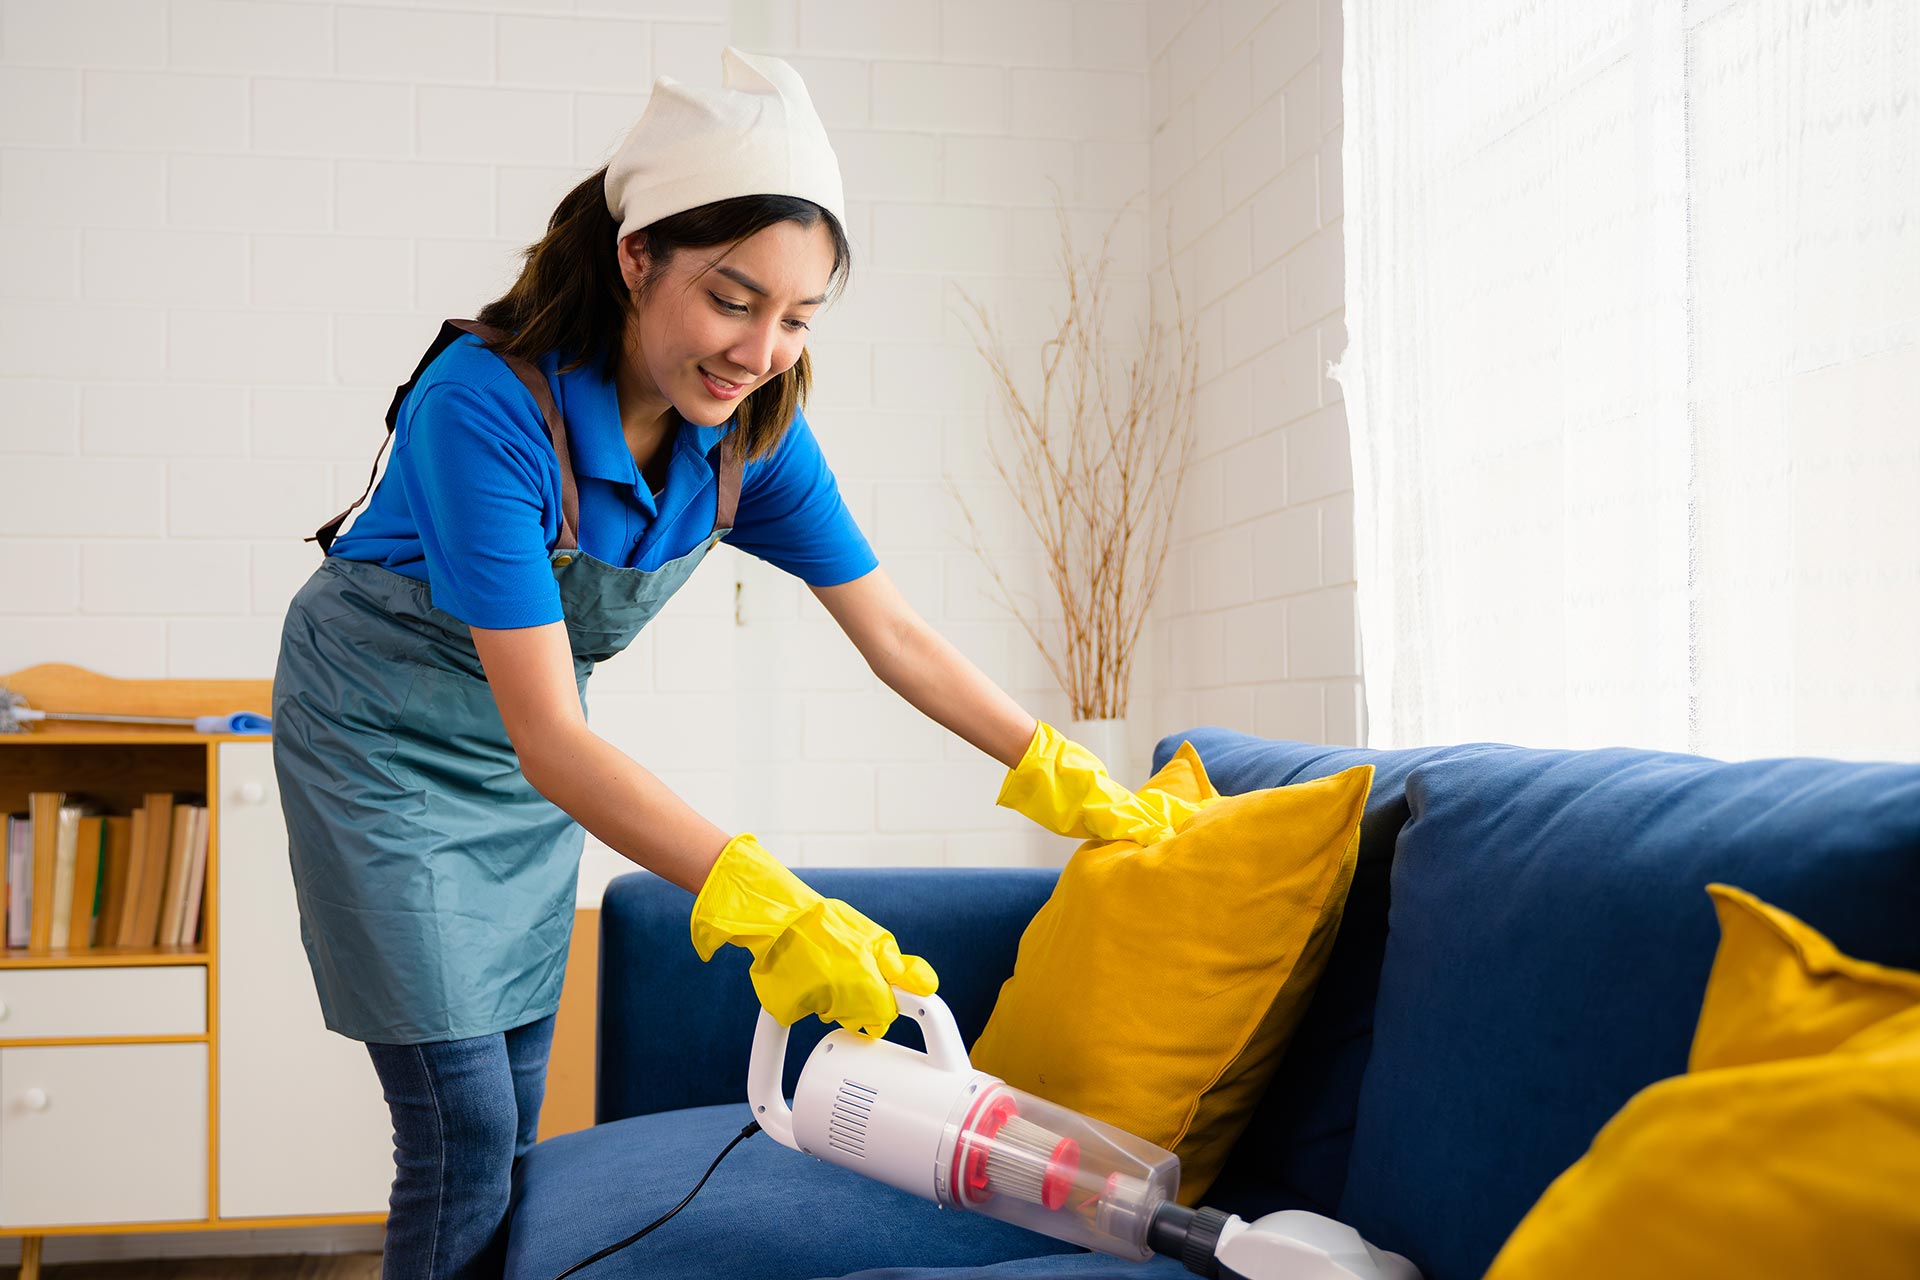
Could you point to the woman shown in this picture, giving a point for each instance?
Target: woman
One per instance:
(556, 472)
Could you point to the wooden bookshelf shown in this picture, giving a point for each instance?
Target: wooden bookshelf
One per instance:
(168, 1130)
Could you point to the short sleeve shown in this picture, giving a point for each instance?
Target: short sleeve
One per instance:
(793, 517)
(480, 492)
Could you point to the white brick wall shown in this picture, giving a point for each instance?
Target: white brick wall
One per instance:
(227, 228)
(1258, 633)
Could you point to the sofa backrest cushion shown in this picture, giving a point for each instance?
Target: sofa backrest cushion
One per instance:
(1294, 1152)
(1549, 942)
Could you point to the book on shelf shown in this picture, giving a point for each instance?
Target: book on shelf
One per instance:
(116, 850)
(188, 849)
(83, 892)
(141, 927)
(179, 859)
(19, 865)
(69, 853)
(127, 892)
(66, 848)
(196, 884)
(43, 811)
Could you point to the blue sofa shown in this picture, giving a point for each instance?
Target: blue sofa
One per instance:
(1525, 947)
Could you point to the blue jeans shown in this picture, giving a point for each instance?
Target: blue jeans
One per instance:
(464, 1112)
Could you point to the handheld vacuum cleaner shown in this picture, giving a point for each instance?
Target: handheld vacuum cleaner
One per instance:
(934, 1127)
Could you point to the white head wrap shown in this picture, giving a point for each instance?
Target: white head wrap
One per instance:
(756, 135)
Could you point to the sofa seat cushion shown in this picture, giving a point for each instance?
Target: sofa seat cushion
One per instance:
(767, 1212)
(1550, 938)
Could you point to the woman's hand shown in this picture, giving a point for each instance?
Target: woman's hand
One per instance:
(810, 954)
(1063, 786)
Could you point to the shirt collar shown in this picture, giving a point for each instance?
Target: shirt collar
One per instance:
(591, 406)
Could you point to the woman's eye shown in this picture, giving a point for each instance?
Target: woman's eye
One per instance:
(737, 309)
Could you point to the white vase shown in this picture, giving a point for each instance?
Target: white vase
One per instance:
(1112, 740)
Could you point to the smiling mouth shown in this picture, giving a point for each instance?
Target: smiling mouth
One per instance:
(731, 386)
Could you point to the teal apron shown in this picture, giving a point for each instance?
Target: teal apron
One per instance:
(436, 887)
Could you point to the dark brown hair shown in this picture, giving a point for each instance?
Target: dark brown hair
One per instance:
(571, 298)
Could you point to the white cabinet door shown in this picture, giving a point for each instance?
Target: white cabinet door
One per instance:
(303, 1126)
(103, 1133)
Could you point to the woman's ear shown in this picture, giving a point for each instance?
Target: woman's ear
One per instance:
(634, 259)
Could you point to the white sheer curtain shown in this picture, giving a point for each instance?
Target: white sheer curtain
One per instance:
(1633, 375)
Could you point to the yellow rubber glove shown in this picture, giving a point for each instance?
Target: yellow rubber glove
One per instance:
(1063, 786)
(810, 954)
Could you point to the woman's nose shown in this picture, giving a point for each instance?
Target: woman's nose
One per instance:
(754, 353)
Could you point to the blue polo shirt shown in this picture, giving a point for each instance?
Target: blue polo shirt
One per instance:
(469, 500)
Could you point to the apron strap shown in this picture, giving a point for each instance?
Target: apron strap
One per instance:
(535, 382)
(730, 466)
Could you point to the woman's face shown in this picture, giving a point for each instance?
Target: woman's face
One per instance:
(741, 321)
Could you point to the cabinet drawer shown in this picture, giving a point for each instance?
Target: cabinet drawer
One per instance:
(103, 1133)
(152, 1000)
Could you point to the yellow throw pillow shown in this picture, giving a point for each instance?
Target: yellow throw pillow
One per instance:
(1781, 990)
(1791, 1148)
(1157, 987)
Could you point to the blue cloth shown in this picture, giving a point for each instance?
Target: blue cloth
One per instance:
(235, 722)
(469, 502)
(1550, 943)
(464, 1113)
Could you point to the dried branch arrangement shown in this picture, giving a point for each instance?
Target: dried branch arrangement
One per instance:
(1095, 463)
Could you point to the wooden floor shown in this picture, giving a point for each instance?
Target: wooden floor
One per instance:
(335, 1266)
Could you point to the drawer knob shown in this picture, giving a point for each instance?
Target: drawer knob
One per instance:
(36, 1099)
(250, 793)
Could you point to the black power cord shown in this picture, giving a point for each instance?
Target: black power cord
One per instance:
(740, 1137)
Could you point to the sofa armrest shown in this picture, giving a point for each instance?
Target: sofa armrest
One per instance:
(674, 1032)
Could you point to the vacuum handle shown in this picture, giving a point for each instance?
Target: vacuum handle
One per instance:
(945, 1049)
(768, 1063)
(764, 1069)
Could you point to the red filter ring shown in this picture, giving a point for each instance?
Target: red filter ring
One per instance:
(1060, 1172)
(960, 1149)
(976, 1141)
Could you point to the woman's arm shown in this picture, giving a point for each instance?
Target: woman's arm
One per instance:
(1054, 781)
(530, 670)
(923, 667)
